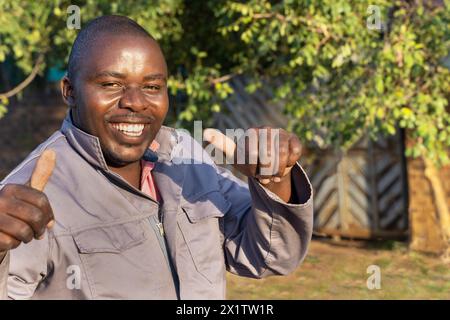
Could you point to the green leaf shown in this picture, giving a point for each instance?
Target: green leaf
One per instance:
(379, 84)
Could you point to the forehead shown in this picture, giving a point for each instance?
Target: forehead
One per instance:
(130, 54)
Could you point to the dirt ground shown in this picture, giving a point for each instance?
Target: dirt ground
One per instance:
(339, 271)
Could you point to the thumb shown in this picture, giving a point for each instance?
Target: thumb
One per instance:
(220, 141)
(42, 172)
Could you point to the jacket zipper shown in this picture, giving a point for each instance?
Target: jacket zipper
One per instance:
(158, 228)
(160, 224)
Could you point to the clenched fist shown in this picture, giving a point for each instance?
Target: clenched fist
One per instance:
(265, 153)
(25, 212)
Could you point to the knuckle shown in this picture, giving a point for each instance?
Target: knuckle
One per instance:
(26, 234)
(36, 218)
(15, 244)
(283, 150)
(7, 190)
(298, 148)
(42, 200)
(7, 242)
(3, 202)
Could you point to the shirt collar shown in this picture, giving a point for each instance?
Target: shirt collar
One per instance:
(88, 146)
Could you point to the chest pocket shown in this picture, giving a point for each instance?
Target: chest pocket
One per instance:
(122, 261)
(112, 239)
(199, 224)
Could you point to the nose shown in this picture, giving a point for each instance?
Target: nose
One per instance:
(133, 99)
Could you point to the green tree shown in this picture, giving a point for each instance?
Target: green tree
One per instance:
(346, 68)
(332, 71)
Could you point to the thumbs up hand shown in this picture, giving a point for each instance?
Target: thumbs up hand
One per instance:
(25, 212)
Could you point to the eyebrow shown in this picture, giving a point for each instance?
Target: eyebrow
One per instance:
(114, 74)
(155, 76)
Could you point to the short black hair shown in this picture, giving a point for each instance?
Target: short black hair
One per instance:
(114, 24)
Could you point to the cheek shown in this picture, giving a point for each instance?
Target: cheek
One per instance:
(163, 107)
(101, 99)
(93, 108)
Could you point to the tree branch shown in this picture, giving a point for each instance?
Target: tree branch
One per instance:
(279, 16)
(321, 28)
(27, 81)
(223, 78)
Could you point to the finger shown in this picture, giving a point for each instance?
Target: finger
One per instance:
(31, 215)
(246, 154)
(42, 173)
(51, 224)
(32, 197)
(269, 140)
(283, 155)
(16, 228)
(251, 151)
(264, 180)
(295, 151)
(7, 242)
(43, 169)
(265, 163)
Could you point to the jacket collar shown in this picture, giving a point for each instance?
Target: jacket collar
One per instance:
(88, 146)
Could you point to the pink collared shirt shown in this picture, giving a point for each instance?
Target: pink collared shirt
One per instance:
(148, 185)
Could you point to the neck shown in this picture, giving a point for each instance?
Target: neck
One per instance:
(130, 172)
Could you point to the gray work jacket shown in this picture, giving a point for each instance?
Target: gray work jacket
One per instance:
(106, 243)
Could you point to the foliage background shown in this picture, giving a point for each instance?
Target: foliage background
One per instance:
(337, 78)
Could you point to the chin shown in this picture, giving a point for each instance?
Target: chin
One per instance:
(120, 159)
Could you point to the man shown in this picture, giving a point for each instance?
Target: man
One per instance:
(114, 221)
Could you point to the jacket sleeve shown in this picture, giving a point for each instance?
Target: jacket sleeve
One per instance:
(263, 235)
(27, 269)
(4, 266)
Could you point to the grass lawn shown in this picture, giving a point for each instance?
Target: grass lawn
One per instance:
(333, 271)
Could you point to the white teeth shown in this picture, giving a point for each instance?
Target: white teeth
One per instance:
(133, 130)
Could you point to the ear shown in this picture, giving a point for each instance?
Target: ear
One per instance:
(68, 92)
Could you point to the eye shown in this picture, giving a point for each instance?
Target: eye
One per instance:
(152, 87)
(111, 85)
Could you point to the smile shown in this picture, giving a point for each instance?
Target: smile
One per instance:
(129, 129)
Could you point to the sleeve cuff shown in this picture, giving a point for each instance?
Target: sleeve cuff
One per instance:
(302, 186)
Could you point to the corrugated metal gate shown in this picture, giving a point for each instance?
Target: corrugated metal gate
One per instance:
(362, 193)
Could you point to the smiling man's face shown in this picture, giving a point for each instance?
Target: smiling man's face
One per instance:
(120, 95)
